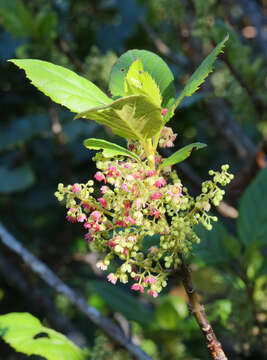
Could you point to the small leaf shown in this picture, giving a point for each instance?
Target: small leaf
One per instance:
(201, 73)
(62, 85)
(132, 117)
(181, 154)
(153, 64)
(26, 334)
(252, 220)
(109, 149)
(14, 180)
(138, 81)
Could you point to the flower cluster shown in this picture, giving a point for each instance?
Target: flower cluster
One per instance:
(143, 217)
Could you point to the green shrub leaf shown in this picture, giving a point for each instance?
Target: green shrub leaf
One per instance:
(138, 81)
(132, 117)
(152, 64)
(26, 334)
(201, 73)
(181, 154)
(252, 220)
(109, 149)
(62, 85)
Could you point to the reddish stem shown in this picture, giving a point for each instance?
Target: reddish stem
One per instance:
(198, 311)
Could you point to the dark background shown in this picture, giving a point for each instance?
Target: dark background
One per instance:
(40, 146)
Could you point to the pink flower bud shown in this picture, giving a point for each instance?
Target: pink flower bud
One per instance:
(164, 111)
(103, 202)
(157, 195)
(137, 287)
(96, 215)
(99, 176)
(112, 278)
(81, 218)
(76, 188)
(150, 279)
(152, 293)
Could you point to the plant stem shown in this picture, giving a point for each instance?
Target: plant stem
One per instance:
(198, 311)
(150, 153)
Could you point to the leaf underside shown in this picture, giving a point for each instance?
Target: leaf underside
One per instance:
(109, 149)
(62, 85)
(133, 117)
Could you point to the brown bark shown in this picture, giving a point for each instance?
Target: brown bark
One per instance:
(214, 346)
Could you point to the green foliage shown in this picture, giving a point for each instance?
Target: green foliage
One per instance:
(62, 85)
(252, 220)
(138, 81)
(13, 180)
(26, 334)
(132, 117)
(109, 149)
(201, 73)
(152, 64)
(181, 154)
(120, 301)
(213, 249)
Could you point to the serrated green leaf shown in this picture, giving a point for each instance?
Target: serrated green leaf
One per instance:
(153, 64)
(62, 85)
(109, 149)
(181, 154)
(132, 117)
(252, 220)
(140, 82)
(26, 334)
(200, 74)
(13, 180)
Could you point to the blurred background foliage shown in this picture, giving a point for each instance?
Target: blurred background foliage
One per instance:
(40, 145)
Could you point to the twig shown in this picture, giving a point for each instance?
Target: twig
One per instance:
(198, 311)
(45, 273)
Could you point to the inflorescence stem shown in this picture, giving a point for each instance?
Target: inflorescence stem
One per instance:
(198, 311)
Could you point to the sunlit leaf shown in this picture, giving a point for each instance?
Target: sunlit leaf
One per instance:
(62, 85)
(26, 334)
(153, 64)
(132, 117)
(138, 81)
(109, 149)
(199, 75)
(181, 154)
